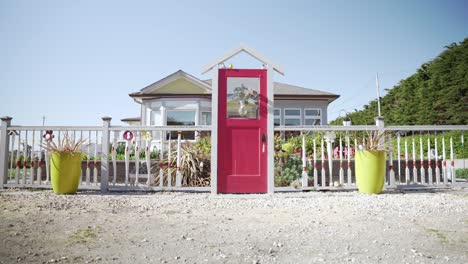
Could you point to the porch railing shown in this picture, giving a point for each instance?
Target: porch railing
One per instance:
(150, 157)
(418, 156)
(24, 162)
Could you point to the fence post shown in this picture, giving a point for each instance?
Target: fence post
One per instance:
(305, 177)
(4, 144)
(105, 142)
(379, 122)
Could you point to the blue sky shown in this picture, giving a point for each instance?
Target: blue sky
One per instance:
(76, 61)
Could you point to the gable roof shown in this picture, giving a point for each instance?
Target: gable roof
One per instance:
(176, 76)
(281, 91)
(248, 50)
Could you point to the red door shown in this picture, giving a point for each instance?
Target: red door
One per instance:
(242, 131)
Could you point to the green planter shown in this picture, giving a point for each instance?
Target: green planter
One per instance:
(65, 172)
(370, 171)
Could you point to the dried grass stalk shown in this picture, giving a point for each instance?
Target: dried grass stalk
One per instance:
(67, 144)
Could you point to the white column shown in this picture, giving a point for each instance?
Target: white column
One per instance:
(415, 170)
(437, 171)
(391, 172)
(452, 161)
(105, 153)
(406, 163)
(444, 162)
(178, 173)
(429, 165)
(148, 117)
(305, 177)
(271, 132)
(114, 157)
(169, 162)
(315, 166)
(4, 143)
(421, 162)
(143, 114)
(163, 116)
(214, 131)
(136, 142)
(341, 174)
(148, 160)
(197, 119)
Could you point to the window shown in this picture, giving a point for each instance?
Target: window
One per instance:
(312, 117)
(242, 97)
(181, 118)
(292, 117)
(205, 118)
(277, 113)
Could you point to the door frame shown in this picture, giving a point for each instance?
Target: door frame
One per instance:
(270, 130)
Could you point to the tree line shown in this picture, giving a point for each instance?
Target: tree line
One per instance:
(437, 94)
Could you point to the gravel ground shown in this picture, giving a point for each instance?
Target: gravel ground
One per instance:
(331, 227)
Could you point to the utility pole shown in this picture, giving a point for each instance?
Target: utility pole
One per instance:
(378, 93)
(43, 120)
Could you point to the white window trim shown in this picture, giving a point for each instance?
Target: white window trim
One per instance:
(277, 116)
(179, 110)
(182, 110)
(205, 111)
(313, 117)
(292, 116)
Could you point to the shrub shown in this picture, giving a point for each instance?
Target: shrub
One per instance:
(461, 173)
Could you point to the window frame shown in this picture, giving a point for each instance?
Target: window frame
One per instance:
(277, 116)
(186, 135)
(201, 118)
(299, 117)
(308, 117)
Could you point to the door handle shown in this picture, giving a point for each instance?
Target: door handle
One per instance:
(263, 142)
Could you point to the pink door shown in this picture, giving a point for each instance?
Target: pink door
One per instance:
(242, 131)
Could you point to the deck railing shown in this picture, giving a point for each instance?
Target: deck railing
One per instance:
(153, 157)
(24, 162)
(418, 156)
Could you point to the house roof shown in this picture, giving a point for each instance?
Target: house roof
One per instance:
(131, 119)
(281, 91)
(180, 74)
(287, 89)
(248, 50)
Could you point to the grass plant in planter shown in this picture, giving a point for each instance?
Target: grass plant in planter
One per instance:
(65, 162)
(370, 163)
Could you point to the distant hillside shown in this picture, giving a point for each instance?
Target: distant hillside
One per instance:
(437, 94)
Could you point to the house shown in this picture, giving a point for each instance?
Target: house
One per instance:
(182, 99)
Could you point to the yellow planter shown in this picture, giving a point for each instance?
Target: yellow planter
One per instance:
(65, 172)
(370, 171)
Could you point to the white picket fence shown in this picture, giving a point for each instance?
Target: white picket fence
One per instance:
(25, 164)
(419, 164)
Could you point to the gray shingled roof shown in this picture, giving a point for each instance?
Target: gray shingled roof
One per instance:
(286, 89)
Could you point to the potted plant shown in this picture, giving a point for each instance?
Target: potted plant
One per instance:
(370, 163)
(65, 162)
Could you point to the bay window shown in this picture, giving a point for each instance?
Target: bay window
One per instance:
(181, 118)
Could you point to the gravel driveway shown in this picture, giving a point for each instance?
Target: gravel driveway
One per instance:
(315, 227)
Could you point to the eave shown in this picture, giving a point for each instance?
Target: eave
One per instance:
(280, 97)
